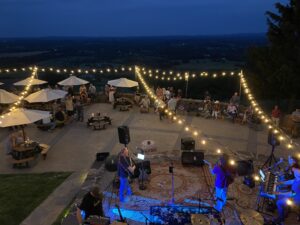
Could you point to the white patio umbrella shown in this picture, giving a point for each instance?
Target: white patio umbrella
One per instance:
(72, 81)
(22, 116)
(123, 82)
(7, 97)
(45, 95)
(26, 81)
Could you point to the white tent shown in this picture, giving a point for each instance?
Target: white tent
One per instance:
(7, 97)
(46, 95)
(26, 82)
(72, 81)
(123, 82)
(22, 116)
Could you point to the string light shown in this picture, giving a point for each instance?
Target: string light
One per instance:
(281, 135)
(15, 105)
(172, 76)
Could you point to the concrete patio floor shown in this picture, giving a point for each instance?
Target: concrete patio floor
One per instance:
(73, 147)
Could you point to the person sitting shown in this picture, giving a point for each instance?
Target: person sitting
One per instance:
(145, 104)
(248, 114)
(14, 139)
(275, 115)
(232, 111)
(91, 205)
(172, 104)
(296, 123)
(216, 110)
(59, 119)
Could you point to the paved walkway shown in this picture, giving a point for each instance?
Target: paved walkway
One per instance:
(73, 147)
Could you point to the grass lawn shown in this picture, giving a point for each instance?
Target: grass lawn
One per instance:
(20, 194)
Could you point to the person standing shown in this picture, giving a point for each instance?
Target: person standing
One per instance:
(125, 169)
(69, 105)
(276, 115)
(224, 177)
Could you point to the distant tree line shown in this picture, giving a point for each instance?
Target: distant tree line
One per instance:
(274, 70)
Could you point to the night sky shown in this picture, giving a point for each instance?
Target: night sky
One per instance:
(39, 18)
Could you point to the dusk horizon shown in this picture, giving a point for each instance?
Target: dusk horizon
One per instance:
(147, 18)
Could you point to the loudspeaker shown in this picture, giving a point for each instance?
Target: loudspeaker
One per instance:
(192, 158)
(187, 144)
(111, 163)
(272, 139)
(100, 156)
(142, 164)
(244, 168)
(124, 136)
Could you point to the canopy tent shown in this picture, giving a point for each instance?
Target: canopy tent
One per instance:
(7, 97)
(123, 82)
(72, 81)
(26, 82)
(46, 95)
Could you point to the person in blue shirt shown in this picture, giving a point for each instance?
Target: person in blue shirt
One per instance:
(125, 169)
(293, 195)
(223, 178)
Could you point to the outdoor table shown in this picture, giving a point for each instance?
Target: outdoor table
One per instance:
(25, 150)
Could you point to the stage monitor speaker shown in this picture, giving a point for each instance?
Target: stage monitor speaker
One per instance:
(192, 158)
(142, 164)
(111, 163)
(100, 156)
(272, 139)
(124, 136)
(245, 168)
(187, 144)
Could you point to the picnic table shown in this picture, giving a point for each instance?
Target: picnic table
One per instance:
(28, 151)
(99, 122)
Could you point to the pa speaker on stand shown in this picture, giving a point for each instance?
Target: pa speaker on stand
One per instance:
(124, 136)
(273, 141)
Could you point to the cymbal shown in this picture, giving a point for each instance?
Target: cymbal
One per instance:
(251, 217)
(199, 219)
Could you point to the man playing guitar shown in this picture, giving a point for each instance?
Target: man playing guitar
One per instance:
(224, 177)
(125, 169)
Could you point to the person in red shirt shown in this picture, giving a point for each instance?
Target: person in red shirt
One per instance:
(276, 115)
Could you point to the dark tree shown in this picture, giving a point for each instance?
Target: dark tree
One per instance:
(274, 70)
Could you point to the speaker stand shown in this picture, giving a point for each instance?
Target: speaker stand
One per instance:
(142, 186)
(271, 159)
(172, 202)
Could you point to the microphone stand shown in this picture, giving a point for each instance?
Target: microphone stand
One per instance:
(172, 172)
(146, 218)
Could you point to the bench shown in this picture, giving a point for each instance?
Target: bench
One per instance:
(45, 149)
(19, 162)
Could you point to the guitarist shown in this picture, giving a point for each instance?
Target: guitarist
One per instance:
(224, 177)
(125, 169)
